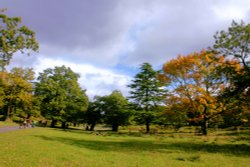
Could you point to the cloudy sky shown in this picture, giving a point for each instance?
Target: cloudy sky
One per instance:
(105, 41)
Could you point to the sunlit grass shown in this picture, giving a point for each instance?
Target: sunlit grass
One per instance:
(56, 147)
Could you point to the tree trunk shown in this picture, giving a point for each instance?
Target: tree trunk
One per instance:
(28, 117)
(147, 118)
(147, 126)
(92, 127)
(53, 123)
(63, 125)
(115, 127)
(204, 126)
(8, 114)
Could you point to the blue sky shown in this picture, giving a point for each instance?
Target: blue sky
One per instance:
(105, 41)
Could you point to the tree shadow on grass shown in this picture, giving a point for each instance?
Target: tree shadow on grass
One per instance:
(237, 136)
(122, 133)
(244, 133)
(103, 132)
(152, 146)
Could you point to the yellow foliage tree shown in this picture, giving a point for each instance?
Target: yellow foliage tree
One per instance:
(16, 90)
(193, 80)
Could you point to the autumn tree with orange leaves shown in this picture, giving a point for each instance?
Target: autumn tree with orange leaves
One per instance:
(194, 85)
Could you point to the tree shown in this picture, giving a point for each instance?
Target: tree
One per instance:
(3, 83)
(195, 86)
(173, 113)
(234, 44)
(146, 92)
(14, 38)
(17, 91)
(61, 96)
(115, 110)
(94, 114)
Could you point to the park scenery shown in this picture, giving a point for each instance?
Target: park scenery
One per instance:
(192, 109)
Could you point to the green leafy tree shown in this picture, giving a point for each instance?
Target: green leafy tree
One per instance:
(146, 93)
(14, 38)
(94, 113)
(76, 106)
(234, 44)
(60, 94)
(115, 109)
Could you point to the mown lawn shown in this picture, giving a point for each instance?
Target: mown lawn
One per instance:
(45, 147)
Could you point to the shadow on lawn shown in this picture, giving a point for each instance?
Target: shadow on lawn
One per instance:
(237, 136)
(242, 133)
(141, 145)
(120, 133)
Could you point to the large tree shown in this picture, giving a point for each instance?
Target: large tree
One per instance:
(115, 108)
(234, 44)
(94, 114)
(195, 85)
(61, 96)
(17, 91)
(146, 93)
(14, 38)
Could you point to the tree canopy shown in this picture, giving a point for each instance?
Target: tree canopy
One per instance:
(115, 110)
(17, 91)
(146, 92)
(235, 44)
(14, 38)
(60, 94)
(195, 84)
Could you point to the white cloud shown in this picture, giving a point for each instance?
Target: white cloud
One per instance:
(231, 10)
(97, 81)
(182, 27)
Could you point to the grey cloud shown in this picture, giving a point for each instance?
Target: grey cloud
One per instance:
(184, 28)
(90, 31)
(67, 23)
(101, 32)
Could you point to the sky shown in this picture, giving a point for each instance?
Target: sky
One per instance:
(106, 41)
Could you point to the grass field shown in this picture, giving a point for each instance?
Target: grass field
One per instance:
(45, 147)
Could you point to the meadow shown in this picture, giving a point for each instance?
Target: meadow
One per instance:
(46, 147)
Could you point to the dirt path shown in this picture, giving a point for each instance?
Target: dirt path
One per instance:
(8, 128)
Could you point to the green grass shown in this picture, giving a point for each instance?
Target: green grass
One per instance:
(44, 147)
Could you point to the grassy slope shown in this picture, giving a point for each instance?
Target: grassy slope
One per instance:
(55, 147)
